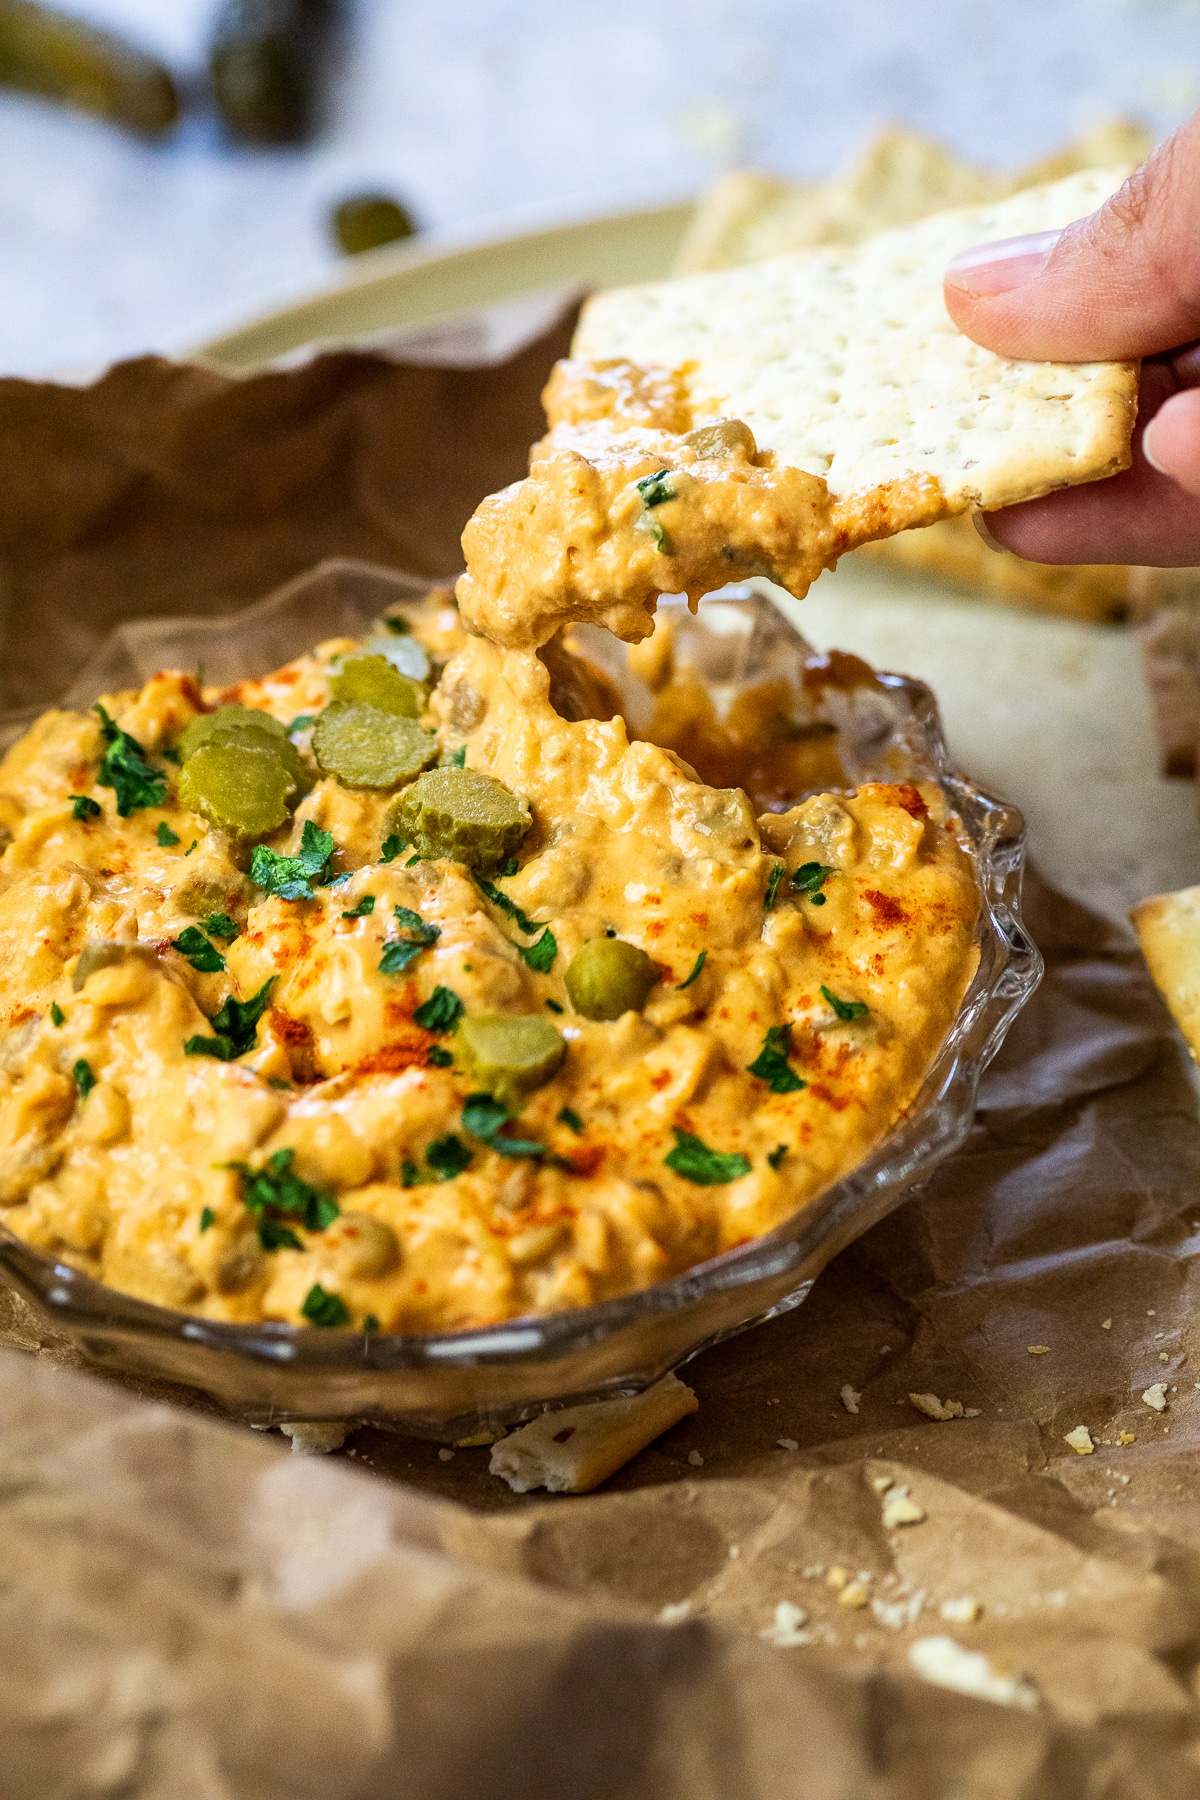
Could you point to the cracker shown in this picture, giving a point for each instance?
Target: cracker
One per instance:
(573, 1451)
(1168, 929)
(847, 365)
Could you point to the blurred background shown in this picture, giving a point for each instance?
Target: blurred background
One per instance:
(489, 116)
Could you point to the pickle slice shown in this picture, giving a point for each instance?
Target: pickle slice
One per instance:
(372, 681)
(463, 815)
(608, 977)
(239, 787)
(368, 748)
(236, 724)
(508, 1055)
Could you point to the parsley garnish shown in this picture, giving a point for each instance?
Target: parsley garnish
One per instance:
(124, 769)
(771, 1064)
(84, 807)
(291, 876)
(845, 1009)
(204, 957)
(398, 955)
(409, 1173)
(777, 874)
(509, 907)
(483, 1117)
(363, 910)
(696, 968)
(392, 846)
(207, 1218)
(272, 1190)
(322, 1308)
(459, 758)
(400, 627)
(810, 878)
(85, 1081)
(654, 489)
(571, 1120)
(776, 1156)
(166, 838)
(554, 1006)
(57, 1015)
(191, 846)
(441, 1012)
(236, 1025)
(437, 1058)
(540, 956)
(220, 925)
(448, 1157)
(301, 722)
(707, 1168)
(370, 1323)
(510, 868)
(173, 755)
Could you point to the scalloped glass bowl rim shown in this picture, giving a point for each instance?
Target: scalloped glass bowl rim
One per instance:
(1008, 972)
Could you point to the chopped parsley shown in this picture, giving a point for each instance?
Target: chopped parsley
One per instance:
(392, 846)
(777, 874)
(274, 1193)
(204, 957)
(191, 846)
(540, 956)
(370, 1323)
(363, 910)
(771, 1064)
(707, 1168)
(173, 755)
(810, 878)
(84, 807)
(845, 1009)
(447, 1157)
(410, 1175)
(124, 768)
(236, 1025)
(571, 1120)
(510, 868)
(484, 1116)
(511, 910)
(208, 1218)
(696, 968)
(776, 1156)
(291, 877)
(458, 760)
(301, 722)
(400, 627)
(554, 1006)
(651, 526)
(402, 951)
(323, 1308)
(441, 1012)
(165, 837)
(57, 1015)
(84, 1080)
(220, 925)
(654, 489)
(438, 1058)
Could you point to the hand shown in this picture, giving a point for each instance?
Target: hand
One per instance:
(1123, 283)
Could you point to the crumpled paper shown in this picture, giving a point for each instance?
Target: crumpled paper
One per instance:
(745, 1610)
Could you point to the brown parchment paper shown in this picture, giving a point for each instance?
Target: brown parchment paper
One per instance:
(186, 1610)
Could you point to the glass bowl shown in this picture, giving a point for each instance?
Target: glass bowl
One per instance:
(450, 1385)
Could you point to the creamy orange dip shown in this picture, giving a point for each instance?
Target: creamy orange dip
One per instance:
(837, 938)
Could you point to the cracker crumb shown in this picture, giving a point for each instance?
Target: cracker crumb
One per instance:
(813, 1572)
(881, 1483)
(1126, 1437)
(944, 1663)
(1155, 1396)
(971, 1412)
(1080, 1441)
(838, 1577)
(1037, 1349)
(675, 1613)
(960, 1612)
(1106, 1324)
(850, 1398)
(787, 1443)
(1163, 1357)
(695, 1458)
(899, 1508)
(445, 1456)
(933, 1408)
(785, 1630)
(489, 1435)
(899, 1613)
(316, 1437)
(735, 1550)
(854, 1595)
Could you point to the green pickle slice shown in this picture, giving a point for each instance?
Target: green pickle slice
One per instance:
(227, 722)
(508, 1055)
(366, 747)
(463, 815)
(239, 787)
(608, 977)
(372, 681)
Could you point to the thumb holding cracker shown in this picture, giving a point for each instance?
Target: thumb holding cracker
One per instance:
(1122, 283)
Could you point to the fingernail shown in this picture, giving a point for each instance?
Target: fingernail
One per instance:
(987, 269)
(1148, 447)
(979, 521)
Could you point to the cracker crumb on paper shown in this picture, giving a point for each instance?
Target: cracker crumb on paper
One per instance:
(574, 1450)
(1126, 1437)
(896, 1614)
(899, 1508)
(850, 1398)
(960, 1612)
(1080, 1440)
(695, 1458)
(881, 1483)
(1155, 1396)
(933, 1408)
(787, 1443)
(675, 1613)
(944, 1663)
(785, 1631)
(854, 1595)
(316, 1437)
(1106, 1324)
(1038, 1349)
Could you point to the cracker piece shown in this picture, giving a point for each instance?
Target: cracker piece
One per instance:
(845, 363)
(1168, 929)
(573, 1451)
(953, 551)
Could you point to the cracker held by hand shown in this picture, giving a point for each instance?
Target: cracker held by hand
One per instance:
(765, 420)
